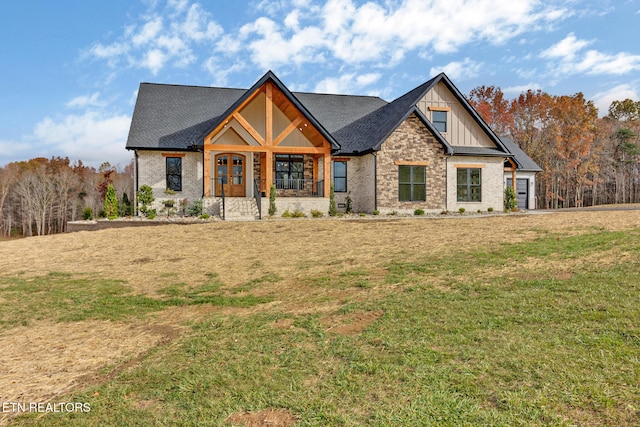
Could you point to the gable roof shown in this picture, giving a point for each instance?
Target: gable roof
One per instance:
(523, 161)
(171, 117)
(269, 77)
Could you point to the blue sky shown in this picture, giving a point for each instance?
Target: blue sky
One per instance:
(71, 68)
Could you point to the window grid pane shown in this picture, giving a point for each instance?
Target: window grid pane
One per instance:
(174, 173)
(469, 185)
(412, 183)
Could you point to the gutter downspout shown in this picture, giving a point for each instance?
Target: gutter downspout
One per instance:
(135, 182)
(375, 181)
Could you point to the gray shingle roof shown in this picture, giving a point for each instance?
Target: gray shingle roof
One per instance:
(171, 117)
(524, 162)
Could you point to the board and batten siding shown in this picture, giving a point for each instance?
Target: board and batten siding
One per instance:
(462, 129)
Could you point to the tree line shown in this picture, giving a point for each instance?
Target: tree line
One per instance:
(40, 196)
(586, 160)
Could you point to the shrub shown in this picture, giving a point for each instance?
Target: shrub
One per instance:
(151, 213)
(362, 214)
(145, 199)
(333, 209)
(298, 214)
(376, 212)
(205, 216)
(479, 211)
(418, 212)
(111, 203)
(87, 214)
(348, 203)
(510, 199)
(461, 210)
(272, 200)
(195, 209)
(287, 214)
(490, 210)
(316, 213)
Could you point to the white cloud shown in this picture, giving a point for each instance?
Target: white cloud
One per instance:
(603, 100)
(91, 137)
(568, 57)
(85, 101)
(347, 83)
(517, 90)
(459, 70)
(161, 41)
(358, 33)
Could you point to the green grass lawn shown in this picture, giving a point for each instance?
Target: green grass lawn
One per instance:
(526, 334)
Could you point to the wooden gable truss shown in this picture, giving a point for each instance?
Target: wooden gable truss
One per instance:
(270, 139)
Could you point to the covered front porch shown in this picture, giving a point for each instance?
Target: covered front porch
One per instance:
(244, 174)
(267, 138)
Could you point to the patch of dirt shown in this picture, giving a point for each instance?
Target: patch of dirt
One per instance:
(42, 361)
(352, 323)
(268, 417)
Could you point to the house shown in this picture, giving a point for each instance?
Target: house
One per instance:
(428, 149)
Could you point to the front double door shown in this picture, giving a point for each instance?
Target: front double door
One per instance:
(230, 171)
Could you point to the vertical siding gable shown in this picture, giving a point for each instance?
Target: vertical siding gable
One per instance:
(462, 129)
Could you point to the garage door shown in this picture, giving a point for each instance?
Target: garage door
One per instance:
(522, 190)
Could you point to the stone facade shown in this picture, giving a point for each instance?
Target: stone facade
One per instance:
(411, 143)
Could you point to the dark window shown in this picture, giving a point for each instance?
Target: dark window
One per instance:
(412, 180)
(340, 177)
(289, 166)
(469, 185)
(174, 173)
(439, 120)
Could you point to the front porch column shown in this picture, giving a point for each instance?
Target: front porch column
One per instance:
(268, 173)
(207, 173)
(327, 174)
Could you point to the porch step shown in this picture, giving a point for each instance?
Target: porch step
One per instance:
(237, 208)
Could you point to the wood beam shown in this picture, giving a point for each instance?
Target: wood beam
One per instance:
(207, 173)
(268, 176)
(268, 149)
(269, 113)
(327, 174)
(247, 126)
(285, 133)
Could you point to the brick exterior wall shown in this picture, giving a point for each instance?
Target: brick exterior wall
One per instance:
(360, 183)
(411, 142)
(492, 182)
(152, 171)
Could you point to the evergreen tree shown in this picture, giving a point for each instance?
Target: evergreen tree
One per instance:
(111, 203)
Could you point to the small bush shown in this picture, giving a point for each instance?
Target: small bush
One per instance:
(272, 200)
(287, 214)
(298, 214)
(376, 212)
(204, 216)
(510, 199)
(461, 210)
(418, 212)
(348, 203)
(316, 213)
(333, 209)
(479, 211)
(195, 209)
(490, 210)
(151, 213)
(362, 214)
(87, 214)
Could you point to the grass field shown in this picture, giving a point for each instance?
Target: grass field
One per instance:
(502, 320)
